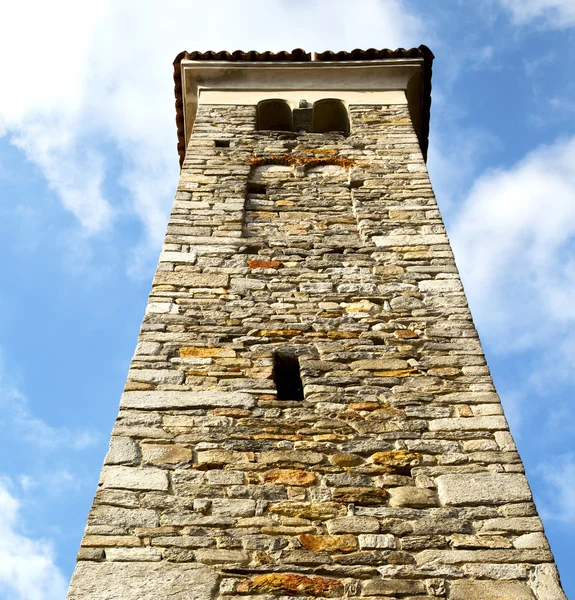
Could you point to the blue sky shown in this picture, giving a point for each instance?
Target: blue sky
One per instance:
(88, 167)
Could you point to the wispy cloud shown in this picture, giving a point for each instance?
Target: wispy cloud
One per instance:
(18, 422)
(27, 566)
(559, 496)
(105, 94)
(558, 14)
(514, 239)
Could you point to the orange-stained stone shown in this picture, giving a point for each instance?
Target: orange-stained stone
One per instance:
(279, 332)
(264, 264)
(295, 477)
(397, 461)
(134, 386)
(360, 495)
(303, 510)
(364, 405)
(464, 411)
(342, 335)
(206, 352)
(330, 437)
(328, 543)
(405, 334)
(398, 373)
(345, 459)
(444, 372)
(290, 584)
(231, 412)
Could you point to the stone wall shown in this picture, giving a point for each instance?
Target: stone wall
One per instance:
(396, 476)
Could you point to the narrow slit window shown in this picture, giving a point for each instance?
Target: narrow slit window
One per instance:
(223, 143)
(287, 377)
(255, 187)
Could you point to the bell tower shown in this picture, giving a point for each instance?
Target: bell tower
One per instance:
(308, 411)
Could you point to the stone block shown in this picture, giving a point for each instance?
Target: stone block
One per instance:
(483, 488)
(380, 364)
(165, 376)
(469, 424)
(328, 543)
(545, 583)
(122, 517)
(314, 510)
(178, 257)
(353, 525)
(365, 496)
(392, 587)
(372, 541)
(233, 507)
(408, 240)
(290, 477)
(165, 400)
(512, 524)
(489, 590)
(217, 477)
(221, 557)
(440, 286)
(193, 280)
(123, 451)
(133, 554)
(130, 478)
(291, 456)
(413, 497)
(532, 540)
(104, 581)
(165, 454)
(289, 584)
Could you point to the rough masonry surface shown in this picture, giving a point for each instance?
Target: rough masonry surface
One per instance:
(396, 476)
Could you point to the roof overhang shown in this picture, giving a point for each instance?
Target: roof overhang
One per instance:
(398, 77)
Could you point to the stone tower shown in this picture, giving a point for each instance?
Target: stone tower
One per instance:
(308, 411)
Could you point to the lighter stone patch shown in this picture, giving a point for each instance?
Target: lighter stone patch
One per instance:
(374, 540)
(162, 308)
(489, 590)
(163, 400)
(483, 488)
(178, 257)
(170, 376)
(130, 478)
(408, 240)
(545, 583)
(439, 286)
(123, 451)
(468, 423)
(121, 581)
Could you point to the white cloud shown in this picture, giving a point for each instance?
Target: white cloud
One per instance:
(17, 420)
(559, 497)
(27, 566)
(551, 13)
(103, 79)
(514, 240)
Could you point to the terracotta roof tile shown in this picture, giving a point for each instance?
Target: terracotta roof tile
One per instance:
(299, 55)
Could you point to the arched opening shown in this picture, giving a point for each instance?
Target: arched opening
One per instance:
(330, 114)
(274, 115)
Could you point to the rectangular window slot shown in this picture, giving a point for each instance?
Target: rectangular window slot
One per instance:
(223, 143)
(255, 187)
(287, 377)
